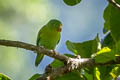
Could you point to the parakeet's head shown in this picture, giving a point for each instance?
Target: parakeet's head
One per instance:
(55, 25)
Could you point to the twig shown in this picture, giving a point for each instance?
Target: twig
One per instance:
(114, 4)
(34, 48)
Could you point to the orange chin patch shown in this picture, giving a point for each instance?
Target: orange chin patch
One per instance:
(60, 28)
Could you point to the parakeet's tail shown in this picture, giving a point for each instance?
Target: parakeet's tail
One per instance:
(39, 58)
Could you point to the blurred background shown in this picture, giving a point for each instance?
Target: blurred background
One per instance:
(20, 20)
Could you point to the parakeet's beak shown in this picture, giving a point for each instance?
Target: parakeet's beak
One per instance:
(60, 28)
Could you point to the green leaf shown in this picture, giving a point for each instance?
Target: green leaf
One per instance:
(56, 63)
(107, 18)
(115, 23)
(69, 55)
(89, 73)
(118, 47)
(112, 21)
(74, 75)
(104, 55)
(117, 1)
(71, 2)
(35, 76)
(4, 77)
(108, 41)
(115, 72)
(105, 72)
(84, 49)
(97, 74)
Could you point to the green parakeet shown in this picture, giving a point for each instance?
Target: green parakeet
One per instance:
(48, 37)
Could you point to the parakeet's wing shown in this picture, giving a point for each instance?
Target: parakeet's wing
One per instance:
(39, 56)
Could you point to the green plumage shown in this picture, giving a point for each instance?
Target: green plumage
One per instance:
(48, 37)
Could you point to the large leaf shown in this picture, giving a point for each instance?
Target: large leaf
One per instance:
(112, 21)
(89, 73)
(56, 63)
(35, 76)
(104, 55)
(71, 2)
(74, 75)
(69, 55)
(84, 49)
(108, 41)
(107, 18)
(117, 47)
(115, 72)
(105, 72)
(115, 23)
(4, 77)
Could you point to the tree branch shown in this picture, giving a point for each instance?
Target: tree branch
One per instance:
(72, 63)
(36, 49)
(114, 4)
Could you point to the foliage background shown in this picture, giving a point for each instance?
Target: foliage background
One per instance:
(21, 20)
